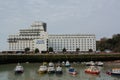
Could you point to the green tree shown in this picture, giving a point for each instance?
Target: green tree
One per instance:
(64, 50)
(90, 50)
(116, 46)
(77, 49)
(36, 50)
(112, 44)
(27, 50)
(50, 49)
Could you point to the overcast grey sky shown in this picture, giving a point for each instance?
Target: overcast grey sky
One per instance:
(99, 17)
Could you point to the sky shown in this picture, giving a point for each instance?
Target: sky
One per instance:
(99, 17)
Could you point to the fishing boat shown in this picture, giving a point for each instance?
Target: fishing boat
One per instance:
(92, 70)
(42, 69)
(67, 64)
(114, 71)
(99, 63)
(59, 70)
(19, 69)
(51, 64)
(51, 69)
(63, 63)
(72, 71)
(91, 63)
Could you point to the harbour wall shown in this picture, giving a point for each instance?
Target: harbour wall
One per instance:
(15, 58)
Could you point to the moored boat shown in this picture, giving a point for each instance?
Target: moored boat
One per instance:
(91, 63)
(72, 71)
(99, 63)
(63, 63)
(114, 71)
(59, 70)
(92, 70)
(67, 64)
(51, 69)
(51, 64)
(19, 69)
(42, 69)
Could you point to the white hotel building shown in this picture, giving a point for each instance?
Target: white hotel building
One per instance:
(37, 37)
(72, 41)
(34, 37)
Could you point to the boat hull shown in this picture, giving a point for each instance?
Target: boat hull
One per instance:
(115, 73)
(17, 72)
(73, 73)
(67, 65)
(110, 73)
(92, 72)
(51, 72)
(59, 72)
(42, 72)
(19, 69)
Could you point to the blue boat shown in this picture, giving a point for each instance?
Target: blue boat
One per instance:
(72, 71)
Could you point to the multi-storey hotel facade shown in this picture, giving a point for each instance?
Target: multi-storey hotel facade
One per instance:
(37, 37)
(34, 37)
(71, 42)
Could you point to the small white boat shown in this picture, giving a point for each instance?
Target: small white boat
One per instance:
(42, 69)
(63, 63)
(59, 70)
(51, 69)
(114, 71)
(99, 63)
(91, 63)
(19, 69)
(51, 64)
(67, 64)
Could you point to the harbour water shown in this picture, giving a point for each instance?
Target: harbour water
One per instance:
(30, 72)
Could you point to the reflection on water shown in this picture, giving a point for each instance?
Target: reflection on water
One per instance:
(30, 73)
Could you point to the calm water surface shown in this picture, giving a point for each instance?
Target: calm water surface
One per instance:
(30, 73)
